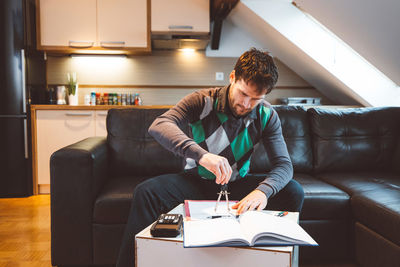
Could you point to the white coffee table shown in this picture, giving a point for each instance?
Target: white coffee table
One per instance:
(155, 251)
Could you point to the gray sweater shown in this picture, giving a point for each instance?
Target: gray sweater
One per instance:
(214, 129)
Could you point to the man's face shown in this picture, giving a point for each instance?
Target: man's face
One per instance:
(243, 98)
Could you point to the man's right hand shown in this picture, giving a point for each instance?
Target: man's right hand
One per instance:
(218, 165)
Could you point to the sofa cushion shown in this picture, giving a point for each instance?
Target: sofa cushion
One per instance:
(113, 203)
(375, 199)
(132, 151)
(357, 182)
(379, 210)
(322, 201)
(354, 139)
(295, 130)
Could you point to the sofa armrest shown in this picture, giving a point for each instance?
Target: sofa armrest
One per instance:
(77, 173)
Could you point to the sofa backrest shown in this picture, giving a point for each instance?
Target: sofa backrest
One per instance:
(296, 132)
(132, 150)
(318, 140)
(354, 139)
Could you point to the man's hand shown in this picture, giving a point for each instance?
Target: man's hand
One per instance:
(256, 199)
(218, 165)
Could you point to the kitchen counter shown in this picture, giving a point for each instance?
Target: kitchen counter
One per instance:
(107, 107)
(85, 107)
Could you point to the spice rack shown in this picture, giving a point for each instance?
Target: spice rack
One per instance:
(117, 99)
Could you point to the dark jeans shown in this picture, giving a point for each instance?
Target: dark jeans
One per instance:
(162, 193)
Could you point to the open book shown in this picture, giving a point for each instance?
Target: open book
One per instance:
(253, 228)
(203, 209)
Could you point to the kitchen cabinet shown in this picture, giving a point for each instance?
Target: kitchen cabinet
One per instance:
(101, 126)
(94, 26)
(67, 23)
(122, 23)
(180, 16)
(56, 129)
(59, 128)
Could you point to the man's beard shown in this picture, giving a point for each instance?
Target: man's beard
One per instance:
(236, 114)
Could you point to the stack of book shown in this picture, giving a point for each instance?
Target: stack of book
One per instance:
(204, 227)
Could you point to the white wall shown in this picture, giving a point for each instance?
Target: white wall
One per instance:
(164, 77)
(233, 42)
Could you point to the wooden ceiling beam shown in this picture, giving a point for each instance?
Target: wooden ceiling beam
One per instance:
(219, 11)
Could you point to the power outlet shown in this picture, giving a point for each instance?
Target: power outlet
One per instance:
(219, 76)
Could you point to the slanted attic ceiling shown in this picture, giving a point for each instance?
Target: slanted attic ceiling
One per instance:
(315, 53)
(370, 27)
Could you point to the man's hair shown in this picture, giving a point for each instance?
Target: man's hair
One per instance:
(258, 67)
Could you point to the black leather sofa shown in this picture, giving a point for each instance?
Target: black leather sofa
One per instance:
(348, 161)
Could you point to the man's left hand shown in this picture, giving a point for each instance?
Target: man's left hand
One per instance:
(255, 200)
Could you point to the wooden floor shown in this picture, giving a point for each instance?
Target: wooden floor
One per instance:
(25, 232)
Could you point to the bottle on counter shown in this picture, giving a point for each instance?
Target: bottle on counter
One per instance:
(132, 99)
(105, 99)
(138, 100)
(123, 99)
(93, 98)
(87, 100)
(128, 99)
(119, 99)
(98, 101)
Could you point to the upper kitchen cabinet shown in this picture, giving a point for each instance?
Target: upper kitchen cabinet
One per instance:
(122, 23)
(67, 23)
(180, 16)
(94, 26)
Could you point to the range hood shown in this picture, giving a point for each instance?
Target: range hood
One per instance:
(171, 41)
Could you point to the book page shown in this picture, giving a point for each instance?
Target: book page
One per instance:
(212, 232)
(204, 209)
(255, 222)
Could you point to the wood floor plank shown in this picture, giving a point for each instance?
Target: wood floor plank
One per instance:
(25, 232)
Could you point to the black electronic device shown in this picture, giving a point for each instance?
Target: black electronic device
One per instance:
(167, 225)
